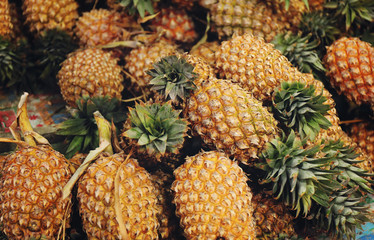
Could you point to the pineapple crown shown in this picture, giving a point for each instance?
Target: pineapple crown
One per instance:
(11, 69)
(50, 50)
(297, 107)
(320, 176)
(157, 128)
(81, 130)
(344, 213)
(140, 6)
(355, 12)
(296, 175)
(173, 77)
(300, 51)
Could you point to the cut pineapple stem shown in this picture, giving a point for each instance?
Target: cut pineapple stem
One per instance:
(24, 121)
(105, 133)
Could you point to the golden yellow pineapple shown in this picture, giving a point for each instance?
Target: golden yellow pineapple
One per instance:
(31, 203)
(213, 199)
(350, 65)
(102, 26)
(41, 15)
(230, 17)
(6, 26)
(116, 196)
(230, 119)
(175, 24)
(90, 72)
(141, 59)
(136, 197)
(273, 219)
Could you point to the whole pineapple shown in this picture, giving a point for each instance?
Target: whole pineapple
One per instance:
(349, 64)
(212, 198)
(102, 26)
(90, 72)
(31, 203)
(41, 15)
(6, 26)
(116, 196)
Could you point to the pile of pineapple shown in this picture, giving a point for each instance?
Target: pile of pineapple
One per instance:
(190, 119)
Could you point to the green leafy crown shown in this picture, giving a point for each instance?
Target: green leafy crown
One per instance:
(157, 128)
(297, 107)
(81, 130)
(173, 77)
(11, 70)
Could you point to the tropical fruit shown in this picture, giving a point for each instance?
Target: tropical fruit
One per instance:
(41, 15)
(31, 203)
(349, 64)
(212, 198)
(102, 26)
(90, 72)
(116, 196)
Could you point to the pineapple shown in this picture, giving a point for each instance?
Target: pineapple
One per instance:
(31, 203)
(41, 15)
(90, 72)
(273, 219)
(248, 16)
(140, 59)
(102, 26)
(116, 196)
(6, 25)
(349, 64)
(212, 198)
(316, 5)
(175, 24)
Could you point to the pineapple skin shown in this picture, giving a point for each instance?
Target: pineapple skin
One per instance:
(42, 15)
(212, 198)
(102, 26)
(350, 65)
(90, 72)
(30, 193)
(229, 119)
(238, 17)
(175, 24)
(206, 51)
(137, 196)
(6, 26)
